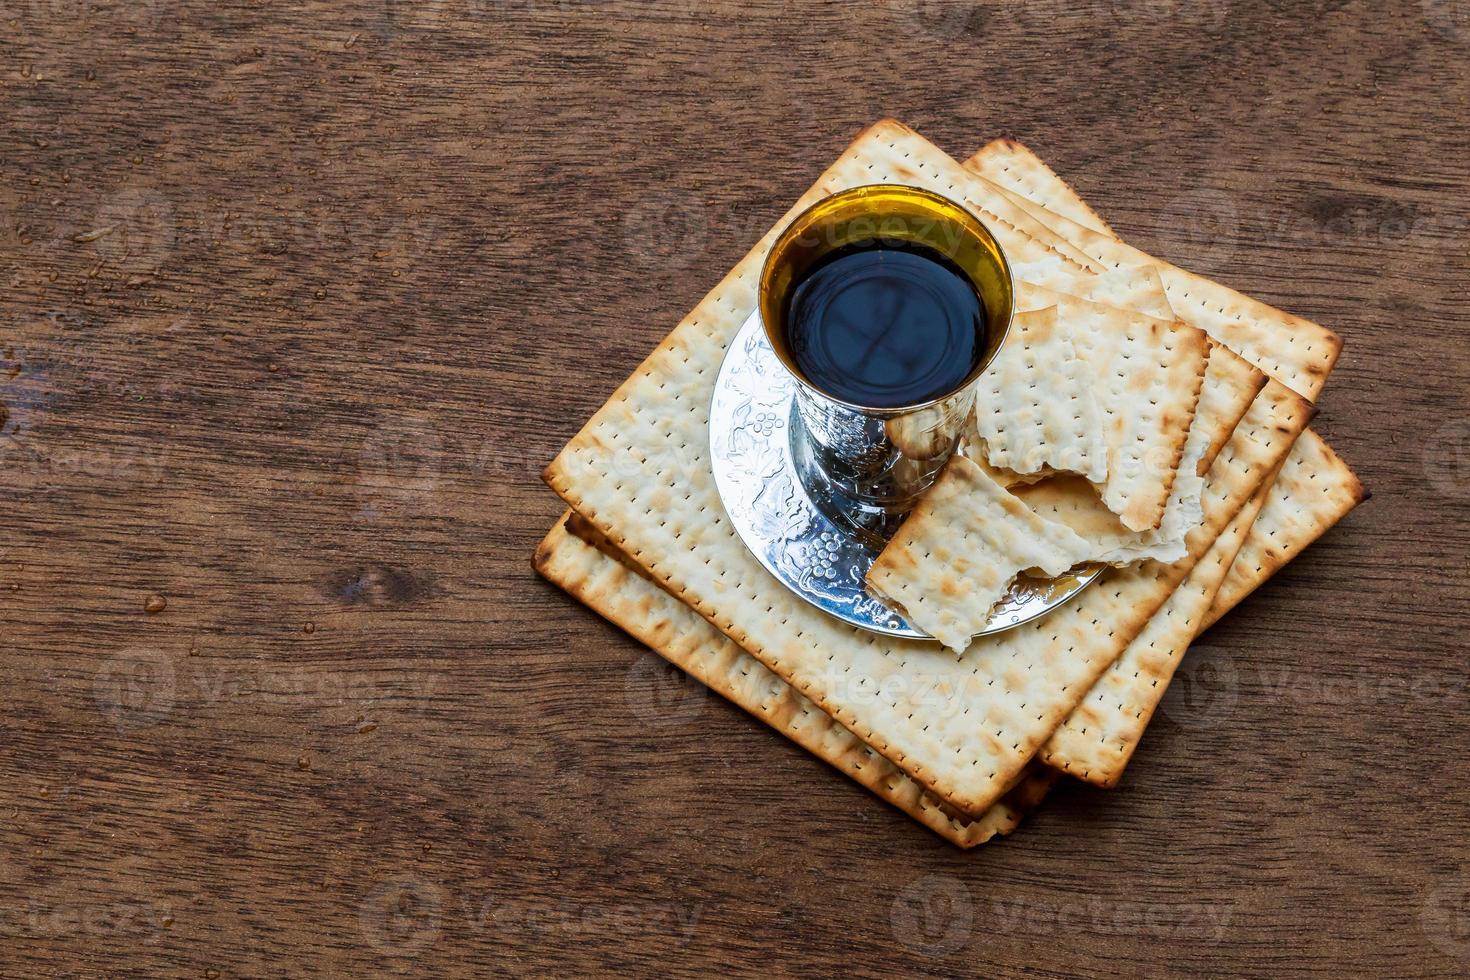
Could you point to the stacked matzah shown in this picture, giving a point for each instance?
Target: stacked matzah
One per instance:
(964, 744)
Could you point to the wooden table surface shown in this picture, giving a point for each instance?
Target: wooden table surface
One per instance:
(300, 298)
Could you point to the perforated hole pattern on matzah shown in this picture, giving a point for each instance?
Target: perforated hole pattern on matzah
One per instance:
(1154, 423)
(1148, 376)
(1313, 491)
(1035, 411)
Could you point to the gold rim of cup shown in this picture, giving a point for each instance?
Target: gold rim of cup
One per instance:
(892, 212)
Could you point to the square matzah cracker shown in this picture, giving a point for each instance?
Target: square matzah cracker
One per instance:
(1313, 491)
(621, 592)
(992, 707)
(1034, 409)
(1149, 373)
(617, 590)
(1295, 351)
(958, 552)
(962, 727)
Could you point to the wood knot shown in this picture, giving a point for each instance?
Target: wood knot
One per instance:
(377, 585)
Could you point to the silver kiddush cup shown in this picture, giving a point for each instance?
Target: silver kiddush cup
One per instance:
(866, 467)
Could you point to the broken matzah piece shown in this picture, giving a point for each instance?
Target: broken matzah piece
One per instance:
(1149, 373)
(1228, 390)
(964, 728)
(1137, 289)
(1034, 408)
(618, 590)
(1295, 351)
(1314, 490)
(972, 446)
(957, 553)
(1073, 502)
(1231, 385)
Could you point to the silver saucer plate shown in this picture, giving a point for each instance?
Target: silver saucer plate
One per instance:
(751, 420)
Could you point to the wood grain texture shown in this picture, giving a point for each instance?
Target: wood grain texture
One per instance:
(299, 300)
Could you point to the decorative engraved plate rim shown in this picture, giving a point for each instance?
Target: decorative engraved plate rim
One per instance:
(755, 474)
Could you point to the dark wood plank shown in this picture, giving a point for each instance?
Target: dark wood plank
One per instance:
(370, 264)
